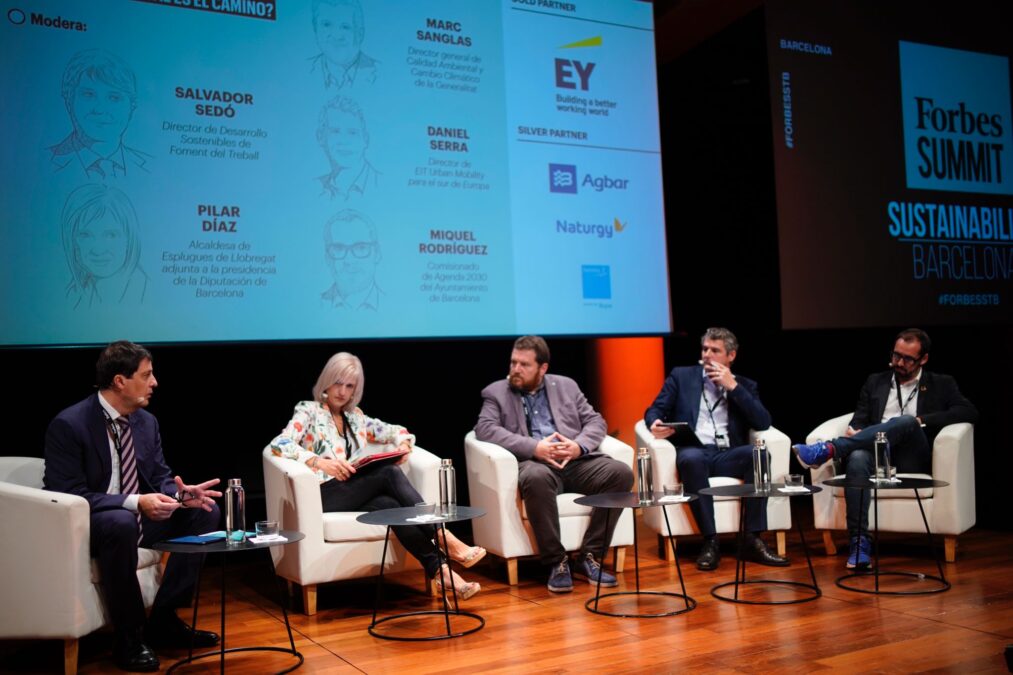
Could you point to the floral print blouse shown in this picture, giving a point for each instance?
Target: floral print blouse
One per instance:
(312, 432)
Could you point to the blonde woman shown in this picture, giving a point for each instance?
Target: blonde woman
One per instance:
(329, 433)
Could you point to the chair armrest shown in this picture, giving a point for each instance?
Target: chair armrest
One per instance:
(779, 446)
(492, 486)
(423, 471)
(662, 454)
(831, 429)
(45, 562)
(617, 450)
(953, 462)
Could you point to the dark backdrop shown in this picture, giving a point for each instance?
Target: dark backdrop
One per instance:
(218, 405)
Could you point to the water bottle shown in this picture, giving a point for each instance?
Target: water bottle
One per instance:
(235, 513)
(448, 488)
(881, 450)
(645, 477)
(761, 466)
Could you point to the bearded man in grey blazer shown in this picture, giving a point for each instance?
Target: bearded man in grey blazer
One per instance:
(547, 423)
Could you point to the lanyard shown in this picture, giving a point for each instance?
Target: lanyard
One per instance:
(711, 408)
(903, 404)
(114, 432)
(345, 426)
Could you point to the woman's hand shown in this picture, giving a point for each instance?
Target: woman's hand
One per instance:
(407, 447)
(339, 468)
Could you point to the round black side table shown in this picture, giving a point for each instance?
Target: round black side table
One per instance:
(290, 536)
(747, 491)
(847, 581)
(402, 516)
(617, 501)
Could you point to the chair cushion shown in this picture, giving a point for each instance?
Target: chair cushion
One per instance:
(146, 557)
(925, 493)
(342, 526)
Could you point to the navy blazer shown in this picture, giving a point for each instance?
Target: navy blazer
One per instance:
(939, 402)
(679, 401)
(78, 457)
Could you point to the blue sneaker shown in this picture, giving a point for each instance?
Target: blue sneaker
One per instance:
(559, 577)
(813, 455)
(859, 558)
(589, 569)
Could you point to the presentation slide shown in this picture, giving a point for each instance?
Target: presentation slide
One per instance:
(894, 161)
(207, 170)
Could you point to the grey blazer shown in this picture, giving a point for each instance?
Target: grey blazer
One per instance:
(502, 419)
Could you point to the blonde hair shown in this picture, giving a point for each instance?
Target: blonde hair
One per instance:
(342, 367)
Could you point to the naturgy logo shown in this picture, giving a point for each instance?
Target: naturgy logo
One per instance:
(956, 107)
(599, 230)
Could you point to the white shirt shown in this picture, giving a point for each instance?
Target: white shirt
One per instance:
(130, 502)
(708, 428)
(908, 403)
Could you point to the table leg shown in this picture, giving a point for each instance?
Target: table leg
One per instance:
(636, 554)
(379, 577)
(808, 559)
(875, 539)
(740, 560)
(935, 553)
(604, 552)
(222, 667)
(445, 555)
(675, 554)
(196, 603)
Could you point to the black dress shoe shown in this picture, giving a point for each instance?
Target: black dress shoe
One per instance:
(135, 657)
(168, 630)
(710, 555)
(756, 551)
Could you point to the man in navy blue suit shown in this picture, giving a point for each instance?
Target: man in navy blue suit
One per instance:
(721, 408)
(107, 449)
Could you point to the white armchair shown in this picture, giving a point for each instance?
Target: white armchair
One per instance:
(726, 509)
(504, 530)
(336, 546)
(50, 585)
(949, 510)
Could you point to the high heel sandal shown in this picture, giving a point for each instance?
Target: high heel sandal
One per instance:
(475, 553)
(465, 590)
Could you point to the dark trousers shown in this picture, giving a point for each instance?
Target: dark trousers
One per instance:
(697, 465)
(114, 547)
(909, 453)
(378, 488)
(540, 484)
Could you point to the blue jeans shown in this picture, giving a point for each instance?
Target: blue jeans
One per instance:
(909, 453)
(697, 465)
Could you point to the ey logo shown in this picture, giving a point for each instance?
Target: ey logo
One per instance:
(574, 74)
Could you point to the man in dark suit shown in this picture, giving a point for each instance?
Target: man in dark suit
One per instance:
(107, 449)
(907, 403)
(721, 408)
(546, 421)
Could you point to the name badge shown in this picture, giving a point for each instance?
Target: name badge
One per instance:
(722, 441)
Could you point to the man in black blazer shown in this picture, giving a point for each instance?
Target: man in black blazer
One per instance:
(907, 403)
(108, 450)
(721, 408)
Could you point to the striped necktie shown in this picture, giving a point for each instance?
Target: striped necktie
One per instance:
(128, 466)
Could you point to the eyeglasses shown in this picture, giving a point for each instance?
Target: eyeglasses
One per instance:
(360, 249)
(904, 358)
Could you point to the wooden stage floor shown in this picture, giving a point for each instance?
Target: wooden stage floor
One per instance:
(529, 629)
